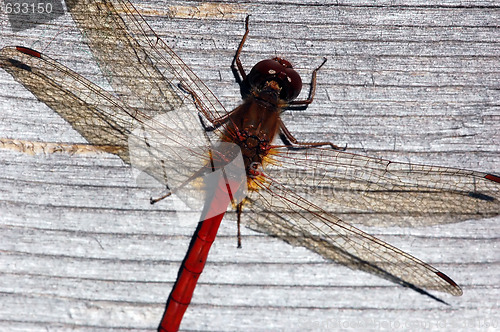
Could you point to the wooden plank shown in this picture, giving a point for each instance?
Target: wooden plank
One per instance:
(82, 249)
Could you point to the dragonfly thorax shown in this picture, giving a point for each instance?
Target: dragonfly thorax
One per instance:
(252, 126)
(254, 147)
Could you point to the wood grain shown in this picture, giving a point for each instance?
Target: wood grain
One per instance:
(81, 248)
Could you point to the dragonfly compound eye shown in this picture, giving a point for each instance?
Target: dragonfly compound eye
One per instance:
(280, 71)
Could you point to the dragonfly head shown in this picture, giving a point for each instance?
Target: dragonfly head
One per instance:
(278, 75)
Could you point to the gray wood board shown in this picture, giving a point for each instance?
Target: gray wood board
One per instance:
(81, 248)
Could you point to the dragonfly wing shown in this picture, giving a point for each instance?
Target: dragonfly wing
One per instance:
(282, 213)
(374, 191)
(98, 116)
(153, 117)
(138, 64)
(170, 148)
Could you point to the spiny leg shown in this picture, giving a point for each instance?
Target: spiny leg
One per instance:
(216, 122)
(239, 75)
(292, 143)
(239, 209)
(237, 69)
(302, 104)
(236, 65)
(296, 105)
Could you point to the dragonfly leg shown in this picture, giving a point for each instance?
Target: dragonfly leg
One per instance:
(239, 209)
(216, 123)
(236, 66)
(303, 103)
(292, 143)
(165, 178)
(157, 199)
(214, 126)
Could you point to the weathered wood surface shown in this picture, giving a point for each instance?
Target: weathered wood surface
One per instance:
(81, 248)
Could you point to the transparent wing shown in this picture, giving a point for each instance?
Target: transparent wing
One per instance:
(282, 213)
(170, 148)
(151, 120)
(97, 115)
(373, 191)
(140, 67)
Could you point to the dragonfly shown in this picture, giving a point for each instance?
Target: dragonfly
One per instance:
(162, 119)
